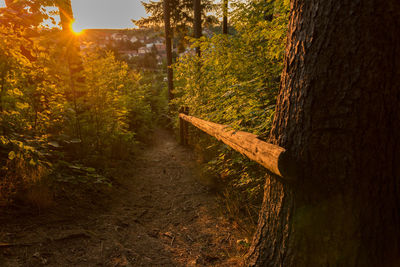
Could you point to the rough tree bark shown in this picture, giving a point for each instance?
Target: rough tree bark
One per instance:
(168, 45)
(338, 113)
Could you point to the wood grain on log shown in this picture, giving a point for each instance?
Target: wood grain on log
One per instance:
(276, 159)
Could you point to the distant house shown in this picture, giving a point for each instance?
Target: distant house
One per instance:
(159, 41)
(161, 48)
(125, 42)
(130, 53)
(119, 37)
(144, 50)
(142, 39)
(134, 39)
(115, 36)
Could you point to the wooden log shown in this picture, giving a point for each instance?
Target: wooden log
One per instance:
(275, 158)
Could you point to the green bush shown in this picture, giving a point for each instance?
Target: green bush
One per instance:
(54, 121)
(235, 82)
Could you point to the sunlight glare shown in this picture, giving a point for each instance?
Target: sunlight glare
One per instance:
(76, 28)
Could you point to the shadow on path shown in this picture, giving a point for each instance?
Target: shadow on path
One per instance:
(159, 215)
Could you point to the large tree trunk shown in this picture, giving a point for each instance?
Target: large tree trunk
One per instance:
(338, 113)
(168, 45)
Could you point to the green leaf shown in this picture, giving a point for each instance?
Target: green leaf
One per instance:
(11, 155)
(3, 140)
(90, 169)
(20, 105)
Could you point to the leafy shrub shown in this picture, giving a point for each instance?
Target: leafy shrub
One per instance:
(21, 170)
(55, 121)
(235, 82)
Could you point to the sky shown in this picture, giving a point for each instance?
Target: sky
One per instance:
(104, 14)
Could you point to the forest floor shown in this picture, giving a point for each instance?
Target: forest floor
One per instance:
(158, 213)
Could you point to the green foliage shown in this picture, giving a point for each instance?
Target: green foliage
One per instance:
(181, 13)
(154, 93)
(57, 124)
(235, 82)
(111, 89)
(181, 18)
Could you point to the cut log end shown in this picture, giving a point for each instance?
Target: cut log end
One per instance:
(274, 158)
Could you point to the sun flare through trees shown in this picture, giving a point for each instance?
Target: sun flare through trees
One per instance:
(76, 28)
(205, 133)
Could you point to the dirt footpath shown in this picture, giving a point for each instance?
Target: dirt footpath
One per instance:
(159, 215)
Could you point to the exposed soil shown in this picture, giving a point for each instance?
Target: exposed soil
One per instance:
(159, 214)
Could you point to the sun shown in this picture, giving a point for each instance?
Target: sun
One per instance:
(76, 29)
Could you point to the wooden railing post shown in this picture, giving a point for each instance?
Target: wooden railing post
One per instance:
(276, 159)
(186, 127)
(182, 127)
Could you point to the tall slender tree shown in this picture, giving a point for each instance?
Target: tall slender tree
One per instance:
(66, 14)
(338, 114)
(225, 16)
(75, 63)
(168, 43)
(197, 22)
(181, 17)
(67, 19)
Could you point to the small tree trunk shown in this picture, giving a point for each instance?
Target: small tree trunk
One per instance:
(67, 18)
(197, 22)
(338, 114)
(168, 44)
(66, 14)
(74, 59)
(225, 17)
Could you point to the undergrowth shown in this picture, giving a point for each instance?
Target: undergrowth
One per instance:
(65, 115)
(235, 83)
